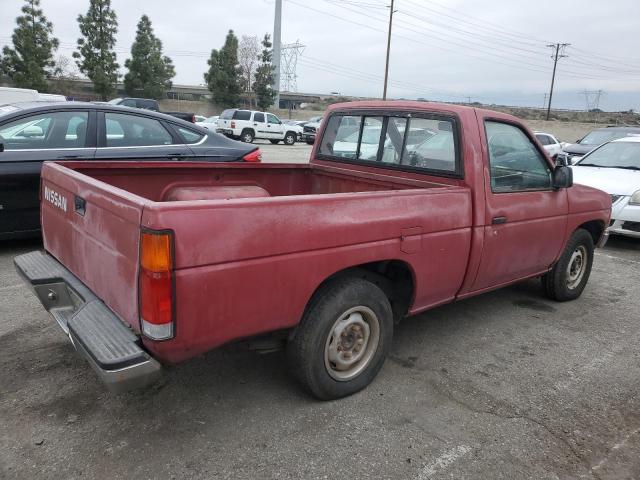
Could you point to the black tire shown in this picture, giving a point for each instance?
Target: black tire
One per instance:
(290, 138)
(337, 303)
(310, 142)
(564, 282)
(275, 142)
(247, 135)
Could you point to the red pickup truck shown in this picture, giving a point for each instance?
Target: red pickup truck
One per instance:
(423, 204)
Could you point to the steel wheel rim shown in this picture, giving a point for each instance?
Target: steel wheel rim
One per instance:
(351, 343)
(247, 138)
(290, 140)
(576, 267)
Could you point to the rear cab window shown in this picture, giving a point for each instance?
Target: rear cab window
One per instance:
(412, 141)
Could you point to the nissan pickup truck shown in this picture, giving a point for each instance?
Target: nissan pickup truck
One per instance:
(148, 264)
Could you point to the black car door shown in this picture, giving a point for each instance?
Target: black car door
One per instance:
(28, 141)
(132, 136)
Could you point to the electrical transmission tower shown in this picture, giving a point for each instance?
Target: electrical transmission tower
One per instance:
(559, 53)
(592, 99)
(288, 65)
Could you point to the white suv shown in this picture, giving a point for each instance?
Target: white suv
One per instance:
(247, 125)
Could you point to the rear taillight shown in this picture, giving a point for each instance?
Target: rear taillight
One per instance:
(255, 156)
(156, 285)
(233, 124)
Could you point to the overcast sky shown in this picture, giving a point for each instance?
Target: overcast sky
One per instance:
(492, 52)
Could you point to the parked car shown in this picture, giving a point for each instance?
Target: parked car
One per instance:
(247, 125)
(146, 264)
(549, 142)
(151, 104)
(210, 123)
(309, 130)
(199, 118)
(595, 138)
(15, 95)
(615, 168)
(31, 133)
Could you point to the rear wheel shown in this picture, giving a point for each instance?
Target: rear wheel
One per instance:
(247, 136)
(274, 142)
(310, 142)
(569, 276)
(290, 138)
(343, 338)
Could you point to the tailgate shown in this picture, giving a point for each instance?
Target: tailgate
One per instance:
(93, 229)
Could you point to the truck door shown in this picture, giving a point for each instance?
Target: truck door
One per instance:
(274, 127)
(260, 125)
(525, 218)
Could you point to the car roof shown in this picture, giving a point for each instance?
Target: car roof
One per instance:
(21, 108)
(630, 138)
(626, 128)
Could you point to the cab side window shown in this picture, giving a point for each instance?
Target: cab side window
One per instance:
(258, 117)
(516, 164)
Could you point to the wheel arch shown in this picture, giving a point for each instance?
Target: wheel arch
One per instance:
(595, 229)
(396, 278)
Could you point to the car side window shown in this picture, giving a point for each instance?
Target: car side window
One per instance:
(516, 164)
(242, 115)
(190, 136)
(273, 119)
(134, 131)
(54, 130)
(543, 139)
(129, 103)
(258, 117)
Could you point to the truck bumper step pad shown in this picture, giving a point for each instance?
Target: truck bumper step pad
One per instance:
(111, 348)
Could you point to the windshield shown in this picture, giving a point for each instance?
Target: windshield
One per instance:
(614, 154)
(598, 137)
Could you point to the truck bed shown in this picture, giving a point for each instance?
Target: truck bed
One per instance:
(255, 228)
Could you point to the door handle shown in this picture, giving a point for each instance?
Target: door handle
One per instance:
(498, 220)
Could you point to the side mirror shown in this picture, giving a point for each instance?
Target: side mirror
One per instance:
(562, 177)
(561, 159)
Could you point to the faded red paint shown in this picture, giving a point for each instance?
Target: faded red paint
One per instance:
(246, 266)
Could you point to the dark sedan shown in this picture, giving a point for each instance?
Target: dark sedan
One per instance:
(31, 133)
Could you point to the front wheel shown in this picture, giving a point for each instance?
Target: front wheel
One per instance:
(343, 338)
(290, 138)
(569, 276)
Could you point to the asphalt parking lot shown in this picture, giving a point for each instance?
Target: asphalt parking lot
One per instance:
(280, 153)
(505, 385)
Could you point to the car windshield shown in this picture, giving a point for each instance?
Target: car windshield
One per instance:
(598, 137)
(614, 155)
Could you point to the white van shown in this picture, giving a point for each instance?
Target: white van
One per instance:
(15, 95)
(51, 97)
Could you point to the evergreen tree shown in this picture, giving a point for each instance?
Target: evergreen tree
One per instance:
(31, 60)
(95, 56)
(263, 83)
(150, 72)
(223, 76)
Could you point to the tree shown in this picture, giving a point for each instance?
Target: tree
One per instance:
(223, 76)
(64, 74)
(248, 54)
(263, 83)
(30, 61)
(150, 72)
(95, 56)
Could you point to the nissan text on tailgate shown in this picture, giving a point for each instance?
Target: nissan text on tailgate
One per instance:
(421, 204)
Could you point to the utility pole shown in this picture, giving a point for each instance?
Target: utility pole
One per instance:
(558, 54)
(386, 66)
(277, 31)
